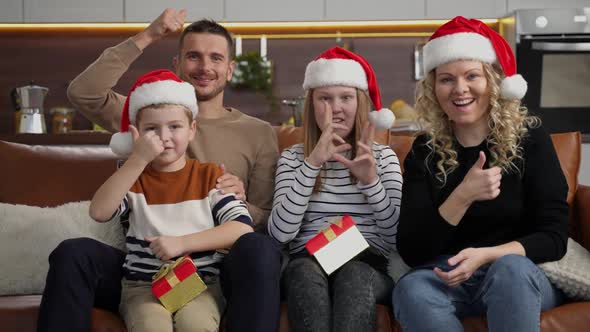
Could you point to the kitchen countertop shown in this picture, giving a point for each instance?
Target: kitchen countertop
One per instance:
(81, 137)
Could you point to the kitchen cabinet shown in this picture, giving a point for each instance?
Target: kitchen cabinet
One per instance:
(436, 9)
(265, 10)
(274, 10)
(148, 10)
(527, 4)
(11, 11)
(73, 11)
(374, 9)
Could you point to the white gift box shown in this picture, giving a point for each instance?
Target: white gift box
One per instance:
(337, 244)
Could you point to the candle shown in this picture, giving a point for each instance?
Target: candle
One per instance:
(263, 46)
(238, 46)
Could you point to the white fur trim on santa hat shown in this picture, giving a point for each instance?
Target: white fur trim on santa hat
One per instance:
(162, 92)
(513, 87)
(122, 144)
(457, 46)
(382, 119)
(327, 72)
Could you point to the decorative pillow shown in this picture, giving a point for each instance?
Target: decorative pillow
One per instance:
(571, 274)
(28, 234)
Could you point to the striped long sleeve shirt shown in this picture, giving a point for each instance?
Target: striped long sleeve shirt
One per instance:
(175, 204)
(298, 214)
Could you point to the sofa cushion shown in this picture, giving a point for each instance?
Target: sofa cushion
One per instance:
(29, 233)
(51, 175)
(571, 274)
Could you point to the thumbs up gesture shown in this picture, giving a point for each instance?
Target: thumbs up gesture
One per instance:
(146, 147)
(481, 184)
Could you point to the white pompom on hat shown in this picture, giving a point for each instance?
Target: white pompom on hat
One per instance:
(338, 66)
(156, 87)
(471, 39)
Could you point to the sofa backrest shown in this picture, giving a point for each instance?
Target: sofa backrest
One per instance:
(569, 151)
(49, 176)
(53, 175)
(567, 145)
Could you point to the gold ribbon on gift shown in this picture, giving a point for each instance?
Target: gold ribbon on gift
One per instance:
(329, 232)
(167, 267)
(172, 279)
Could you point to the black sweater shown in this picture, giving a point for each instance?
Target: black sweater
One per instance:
(530, 209)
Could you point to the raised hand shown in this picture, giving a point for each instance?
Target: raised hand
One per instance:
(229, 183)
(168, 22)
(363, 165)
(166, 247)
(146, 147)
(481, 184)
(329, 144)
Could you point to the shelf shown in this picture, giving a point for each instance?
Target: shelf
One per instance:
(73, 138)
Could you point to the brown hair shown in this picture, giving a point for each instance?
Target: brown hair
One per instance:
(208, 26)
(188, 112)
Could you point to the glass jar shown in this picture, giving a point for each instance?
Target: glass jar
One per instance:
(62, 119)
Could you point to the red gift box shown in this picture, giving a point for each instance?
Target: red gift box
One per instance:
(177, 284)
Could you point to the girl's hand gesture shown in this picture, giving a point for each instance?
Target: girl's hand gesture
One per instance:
(330, 144)
(363, 165)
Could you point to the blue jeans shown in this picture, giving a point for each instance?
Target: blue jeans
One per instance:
(511, 292)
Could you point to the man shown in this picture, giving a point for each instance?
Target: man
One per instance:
(85, 273)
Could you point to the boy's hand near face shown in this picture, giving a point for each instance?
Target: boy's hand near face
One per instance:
(146, 147)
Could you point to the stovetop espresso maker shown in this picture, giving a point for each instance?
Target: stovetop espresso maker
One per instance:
(28, 101)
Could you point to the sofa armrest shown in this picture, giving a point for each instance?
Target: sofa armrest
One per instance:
(581, 216)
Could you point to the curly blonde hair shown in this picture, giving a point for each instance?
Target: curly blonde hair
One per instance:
(508, 121)
(312, 133)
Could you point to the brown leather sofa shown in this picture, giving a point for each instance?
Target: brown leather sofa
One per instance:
(50, 176)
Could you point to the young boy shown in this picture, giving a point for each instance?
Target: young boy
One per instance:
(174, 207)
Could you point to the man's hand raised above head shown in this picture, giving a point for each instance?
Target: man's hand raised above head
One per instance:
(168, 22)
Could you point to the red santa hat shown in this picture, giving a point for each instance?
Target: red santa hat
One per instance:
(337, 66)
(156, 87)
(470, 39)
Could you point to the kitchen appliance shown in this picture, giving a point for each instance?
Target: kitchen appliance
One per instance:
(553, 55)
(28, 101)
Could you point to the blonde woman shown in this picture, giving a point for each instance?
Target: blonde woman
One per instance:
(338, 170)
(484, 194)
